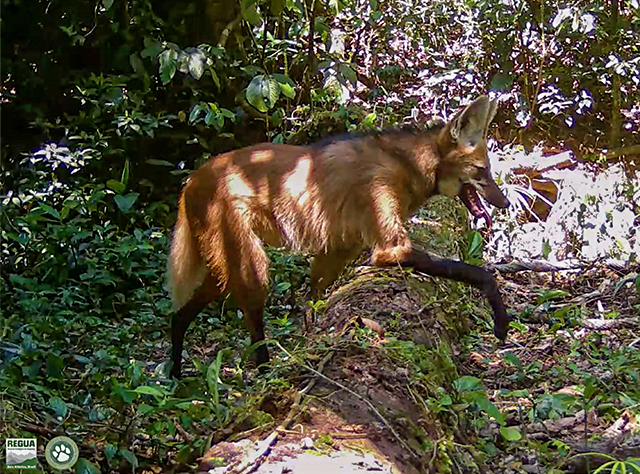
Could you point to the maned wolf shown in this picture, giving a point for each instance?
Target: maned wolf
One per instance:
(331, 200)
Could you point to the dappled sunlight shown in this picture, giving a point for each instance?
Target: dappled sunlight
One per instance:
(297, 182)
(240, 191)
(261, 156)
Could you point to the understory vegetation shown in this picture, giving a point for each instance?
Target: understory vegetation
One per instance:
(108, 106)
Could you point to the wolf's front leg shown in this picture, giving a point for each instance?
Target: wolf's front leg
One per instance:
(454, 270)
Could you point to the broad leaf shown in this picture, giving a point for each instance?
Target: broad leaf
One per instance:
(50, 210)
(84, 466)
(137, 65)
(168, 64)
(152, 48)
(129, 456)
(263, 92)
(250, 12)
(117, 186)
(148, 390)
(510, 434)
(59, 406)
(276, 7)
(348, 73)
(197, 61)
(125, 203)
(467, 383)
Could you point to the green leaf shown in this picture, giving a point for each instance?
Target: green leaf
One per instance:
(143, 409)
(137, 65)
(228, 114)
(149, 390)
(475, 244)
(107, 4)
(83, 466)
(348, 72)
(126, 202)
(480, 399)
(50, 210)
(590, 387)
(546, 249)
(287, 90)
(129, 456)
(467, 383)
(168, 60)
(59, 406)
(263, 92)
(510, 434)
(124, 179)
(195, 112)
(55, 366)
(110, 451)
(513, 359)
(501, 82)
(117, 186)
(250, 12)
(549, 295)
(276, 7)
(270, 91)
(152, 48)
(197, 60)
(369, 120)
(183, 62)
(216, 79)
(155, 162)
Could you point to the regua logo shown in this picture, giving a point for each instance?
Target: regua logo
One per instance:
(22, 453)
(61, 453)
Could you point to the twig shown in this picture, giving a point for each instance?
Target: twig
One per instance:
(43, 430)
(224, 36)
(542, 266)
(186, 436)
(533, 265)
(625, 150)
(596, 323)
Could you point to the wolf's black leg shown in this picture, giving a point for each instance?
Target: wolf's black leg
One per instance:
(474, 275)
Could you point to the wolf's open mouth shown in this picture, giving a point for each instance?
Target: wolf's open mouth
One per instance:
(470, 198)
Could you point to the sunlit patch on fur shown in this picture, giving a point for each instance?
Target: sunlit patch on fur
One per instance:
(297, 182)
(261, 156)
(237, 186)
(187, 269)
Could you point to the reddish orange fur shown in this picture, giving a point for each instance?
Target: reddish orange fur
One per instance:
(329, 200)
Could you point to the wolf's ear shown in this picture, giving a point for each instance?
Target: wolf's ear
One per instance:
(469, 127)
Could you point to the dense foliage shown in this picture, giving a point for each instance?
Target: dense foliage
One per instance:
(106, 107)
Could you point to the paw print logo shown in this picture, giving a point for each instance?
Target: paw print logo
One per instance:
(61, 452)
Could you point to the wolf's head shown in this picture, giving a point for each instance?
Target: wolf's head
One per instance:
(464, 169)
